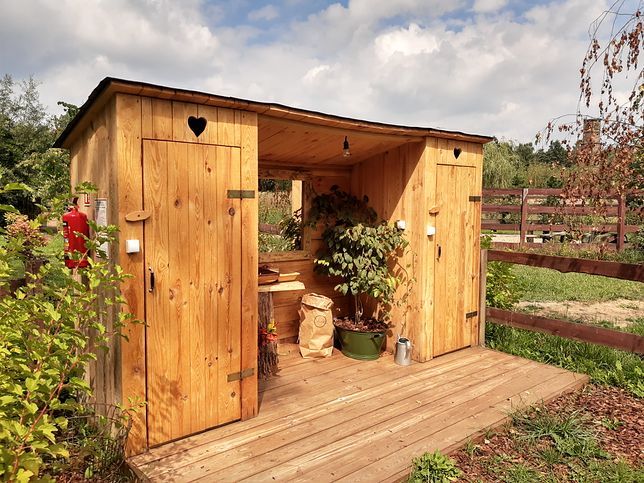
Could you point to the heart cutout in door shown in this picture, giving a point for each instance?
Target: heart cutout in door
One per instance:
(457, 152)
(197, 125)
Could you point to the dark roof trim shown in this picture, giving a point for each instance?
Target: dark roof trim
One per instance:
(261, 107)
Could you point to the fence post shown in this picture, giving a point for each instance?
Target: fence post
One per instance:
(621, 222)
(523, 227)
(482, 293)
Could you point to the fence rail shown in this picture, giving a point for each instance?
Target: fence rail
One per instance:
(562, 328)
(523, 203)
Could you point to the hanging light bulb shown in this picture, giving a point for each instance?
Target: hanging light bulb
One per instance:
(345, 148)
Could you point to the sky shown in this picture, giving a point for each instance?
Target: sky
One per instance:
(496, 67)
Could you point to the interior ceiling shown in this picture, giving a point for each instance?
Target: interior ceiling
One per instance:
(285, 142)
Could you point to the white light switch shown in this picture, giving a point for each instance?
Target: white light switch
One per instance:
(431, 230)
(132, 246)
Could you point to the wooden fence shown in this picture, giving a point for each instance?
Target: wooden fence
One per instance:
(515, 210)
(570, 330)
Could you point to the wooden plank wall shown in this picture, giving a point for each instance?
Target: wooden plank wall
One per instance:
(397, 183)
(91, 160)
(287, 304)
(108, 153)
(471, 154)
(401, 185)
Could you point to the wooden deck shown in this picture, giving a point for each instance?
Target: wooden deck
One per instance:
(341, 419)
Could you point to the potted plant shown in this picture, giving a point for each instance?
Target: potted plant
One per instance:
(359, 249)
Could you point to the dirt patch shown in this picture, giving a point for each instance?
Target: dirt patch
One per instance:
(614, 417)
(616, 311)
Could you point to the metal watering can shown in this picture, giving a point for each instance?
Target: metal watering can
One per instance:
(403, 351)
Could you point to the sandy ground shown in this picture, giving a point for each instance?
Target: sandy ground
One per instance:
(616, 311)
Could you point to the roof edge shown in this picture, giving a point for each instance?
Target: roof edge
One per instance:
(116, 85)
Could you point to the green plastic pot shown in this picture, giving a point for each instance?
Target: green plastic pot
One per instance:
(364, 346)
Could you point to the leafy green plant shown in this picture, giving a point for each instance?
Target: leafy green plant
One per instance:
(433, 468)
(502, 287)
(45, 345)
(358, 249)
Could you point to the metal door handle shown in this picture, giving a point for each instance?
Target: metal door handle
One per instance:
(151, 279)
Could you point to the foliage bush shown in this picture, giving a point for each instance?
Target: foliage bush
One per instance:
(502, 287)
(433, 468)
(45, 346)
(358, 248)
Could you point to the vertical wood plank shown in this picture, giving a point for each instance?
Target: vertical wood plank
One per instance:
(523, 229)
(160, 333)
(249, 228)
(127, 157)
(226, 127)
(209, 136)
(178, 198)
(181, 111)
(235, 253)
(196, 287)
(482, 297)
(211, 269)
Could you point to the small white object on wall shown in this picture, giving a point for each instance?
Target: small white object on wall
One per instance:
(401, 224)
(431, 230)
(132, 246)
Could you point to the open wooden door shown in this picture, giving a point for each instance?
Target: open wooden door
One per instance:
(455, 273)
(193, 261)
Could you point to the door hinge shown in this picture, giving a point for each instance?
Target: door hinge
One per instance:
(241, 194)
(475, 198)
(469, 315)
(236, 376)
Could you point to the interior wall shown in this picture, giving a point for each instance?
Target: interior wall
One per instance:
(91, 160)
(397, 183)
(287, 304)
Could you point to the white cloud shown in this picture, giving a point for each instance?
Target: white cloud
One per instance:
(398, 61)
(487, 6)
(267, 12)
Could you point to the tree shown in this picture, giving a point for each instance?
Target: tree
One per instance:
(500, 165)
(607, 161)
(27, 132)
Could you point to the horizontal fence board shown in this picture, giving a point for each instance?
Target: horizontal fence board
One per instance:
(499, 226)
(624, 271)
(569, 330)
(502, 208)
(610, 247)
(568, 210)
(502, 192)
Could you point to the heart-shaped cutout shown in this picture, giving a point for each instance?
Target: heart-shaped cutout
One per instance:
(457, 152)
(197, 125)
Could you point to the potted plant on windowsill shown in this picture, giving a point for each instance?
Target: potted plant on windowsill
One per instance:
(361, 250)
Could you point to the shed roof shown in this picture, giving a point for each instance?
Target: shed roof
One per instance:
(110, 85)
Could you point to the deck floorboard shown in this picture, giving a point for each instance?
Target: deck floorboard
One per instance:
(339, 419)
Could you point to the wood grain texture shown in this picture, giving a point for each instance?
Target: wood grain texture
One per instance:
(249, 257)
(130, 198)
(194, 310)
(92, 160)
(396, 183)
(329, 431)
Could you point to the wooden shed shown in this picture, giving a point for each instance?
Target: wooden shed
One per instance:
(178, 172)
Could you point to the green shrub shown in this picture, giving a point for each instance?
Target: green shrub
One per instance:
(433, 468)
(45, 347)
(502, 288)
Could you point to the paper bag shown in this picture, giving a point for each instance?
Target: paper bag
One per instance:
(316, 326)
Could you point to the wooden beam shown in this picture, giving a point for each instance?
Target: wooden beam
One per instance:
(482, 297)
(624, 271)
(569, 330)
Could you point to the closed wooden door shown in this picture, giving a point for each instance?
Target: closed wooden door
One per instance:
(193, 287)
(454, 274)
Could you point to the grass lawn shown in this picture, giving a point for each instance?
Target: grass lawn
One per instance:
(543, 284)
